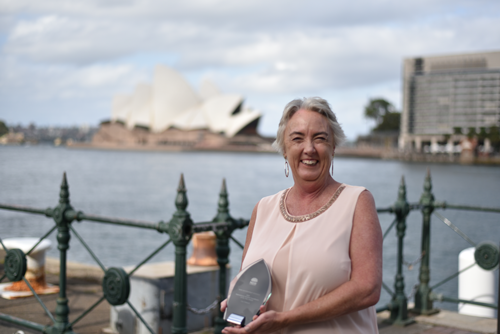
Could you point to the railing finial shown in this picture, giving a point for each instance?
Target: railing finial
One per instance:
(428, 181)
(402, 189)
(181, 186)
(181, 201)
(223, 188)
(223, 210)
(64, 192)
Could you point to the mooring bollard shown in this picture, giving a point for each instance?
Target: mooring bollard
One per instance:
(35, 273)
(180, 231)
(475, 284)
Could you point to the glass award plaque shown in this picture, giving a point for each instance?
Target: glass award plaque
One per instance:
(251, 290)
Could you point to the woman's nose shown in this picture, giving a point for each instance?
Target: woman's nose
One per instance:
(309, 147)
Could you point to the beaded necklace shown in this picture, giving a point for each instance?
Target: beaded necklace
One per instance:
(303, 218)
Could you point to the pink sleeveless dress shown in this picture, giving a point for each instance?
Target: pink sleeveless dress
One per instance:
(309, 257)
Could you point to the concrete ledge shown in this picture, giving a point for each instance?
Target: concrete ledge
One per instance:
(75, 270)
(94, 273)
(166, 269)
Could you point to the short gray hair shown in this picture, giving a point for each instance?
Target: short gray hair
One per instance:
(316, 104)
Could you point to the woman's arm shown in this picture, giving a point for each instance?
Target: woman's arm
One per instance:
(361, 291)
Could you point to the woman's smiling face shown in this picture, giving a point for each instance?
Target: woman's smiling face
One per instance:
(309, 146)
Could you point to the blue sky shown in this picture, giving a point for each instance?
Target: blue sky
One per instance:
(61, 62)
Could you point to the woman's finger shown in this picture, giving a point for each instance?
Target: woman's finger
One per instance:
(234, 330)
(223, 305)
(262, 309)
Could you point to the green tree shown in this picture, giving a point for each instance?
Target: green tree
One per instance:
(3, 128)
(482, 133)
(494, 136)
(471, 133)
(384, 114)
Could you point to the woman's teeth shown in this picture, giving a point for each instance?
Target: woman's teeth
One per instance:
(310, 162)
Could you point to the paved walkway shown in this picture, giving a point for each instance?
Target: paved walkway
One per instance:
(81, 295)
(445, 322)
(83, 292)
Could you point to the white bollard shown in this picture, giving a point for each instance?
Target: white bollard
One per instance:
(475, 284)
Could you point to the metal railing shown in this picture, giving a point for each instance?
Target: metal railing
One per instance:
(486, 255)
(116, 282)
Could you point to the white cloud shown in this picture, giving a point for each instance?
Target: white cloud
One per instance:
(269, 51)
(55, 82)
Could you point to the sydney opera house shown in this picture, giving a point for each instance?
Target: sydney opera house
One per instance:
(169, 114)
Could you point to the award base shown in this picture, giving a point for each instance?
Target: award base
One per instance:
(236, 319)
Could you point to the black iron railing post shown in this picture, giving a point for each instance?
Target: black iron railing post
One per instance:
(399, 303)
(222, 250)
(423, 302)
(180, 231)
(61, 324)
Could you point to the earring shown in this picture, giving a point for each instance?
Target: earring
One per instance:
(332, 167)
(287, 169)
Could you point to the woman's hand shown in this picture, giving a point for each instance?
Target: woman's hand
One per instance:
(266, 322)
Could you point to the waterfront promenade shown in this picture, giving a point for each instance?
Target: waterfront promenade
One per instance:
(84, 289)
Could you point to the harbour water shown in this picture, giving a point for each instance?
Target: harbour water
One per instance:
(142, 185)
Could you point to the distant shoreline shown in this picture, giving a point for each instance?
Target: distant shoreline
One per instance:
(345, 151)
(170, 148)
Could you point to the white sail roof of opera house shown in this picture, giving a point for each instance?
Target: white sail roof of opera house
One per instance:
(171, 102)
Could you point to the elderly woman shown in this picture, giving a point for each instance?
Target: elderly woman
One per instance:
(321, 238)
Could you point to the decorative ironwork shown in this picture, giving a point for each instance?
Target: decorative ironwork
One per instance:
(116, 286)
(423, 302)
(399, 302)
(116, 283)
(486, 255)
(15, 264)
(180, 231)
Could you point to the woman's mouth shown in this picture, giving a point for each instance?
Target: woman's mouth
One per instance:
(309, 162)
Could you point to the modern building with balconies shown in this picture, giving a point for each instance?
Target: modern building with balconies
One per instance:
(447, 99)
